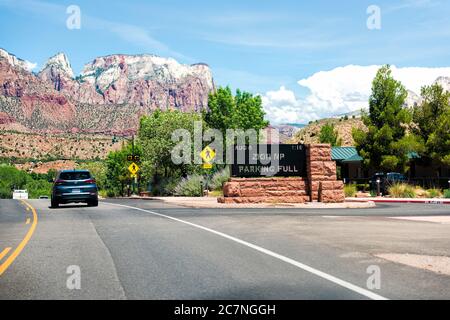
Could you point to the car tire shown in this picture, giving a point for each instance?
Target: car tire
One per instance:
(54, 204)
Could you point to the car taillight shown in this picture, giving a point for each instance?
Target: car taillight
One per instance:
(90, 181)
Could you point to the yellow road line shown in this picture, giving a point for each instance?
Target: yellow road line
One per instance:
(28, 221)
(4, 253)
(4, 266)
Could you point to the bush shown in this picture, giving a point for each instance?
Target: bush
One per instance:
(5, 191)
(420, 192)
(167, 186)
(190, 186)
(350, 190)
(218, 179)
(402, 190)
(37, 188)
(103, 193)
(11, 178)
(111, 193)
(447, 194)
(434, 193)
(362, 187)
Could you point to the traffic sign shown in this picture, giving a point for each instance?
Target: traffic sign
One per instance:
(208, 155)
(133, 168)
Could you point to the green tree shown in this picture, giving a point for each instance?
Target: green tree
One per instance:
(117, 174)
(221, 105)
(98, 169)
(155, 135)
(432, 118)
(12, 178)
(249, 112)
(387, 143)
(328, 134)
(243, 111)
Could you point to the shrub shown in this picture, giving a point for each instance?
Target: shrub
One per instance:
(420, 192)
(362, 187)
(111, 193)
(103, 193)
(434, 193)
(447, 194)
(190, 186)
(218, 179)
(167, 186)
(402, 190)
(350, 190)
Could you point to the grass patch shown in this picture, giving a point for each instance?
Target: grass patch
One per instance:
(447, 194)
(350, 190)
(216, 193)
(402, 190)
(434, 193)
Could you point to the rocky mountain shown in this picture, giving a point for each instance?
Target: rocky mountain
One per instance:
(14, 61)
(109, 95)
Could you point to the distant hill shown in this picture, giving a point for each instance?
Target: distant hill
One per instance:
(310, 133)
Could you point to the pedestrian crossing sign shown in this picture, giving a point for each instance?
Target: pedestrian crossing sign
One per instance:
(208, 154)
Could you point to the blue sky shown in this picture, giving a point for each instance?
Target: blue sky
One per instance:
(256, 45)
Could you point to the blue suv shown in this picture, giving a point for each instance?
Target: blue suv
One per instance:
(74, 186)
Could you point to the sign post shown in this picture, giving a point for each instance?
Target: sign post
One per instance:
(208, 155)
(133, 168)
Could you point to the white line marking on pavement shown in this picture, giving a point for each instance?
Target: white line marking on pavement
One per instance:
(321, 274)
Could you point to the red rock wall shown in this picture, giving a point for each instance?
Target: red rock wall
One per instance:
(257, 190)
(322, 180)
(319, 185)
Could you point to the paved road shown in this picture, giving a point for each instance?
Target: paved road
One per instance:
(169, 252)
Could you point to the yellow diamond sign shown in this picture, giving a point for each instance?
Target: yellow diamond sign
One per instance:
(208, 155)
(133, 168)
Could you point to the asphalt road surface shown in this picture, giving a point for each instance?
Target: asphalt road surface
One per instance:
(131, 249)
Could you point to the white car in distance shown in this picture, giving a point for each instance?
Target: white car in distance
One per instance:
(20, 194)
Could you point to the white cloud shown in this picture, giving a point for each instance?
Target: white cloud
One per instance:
(339, 91)
(282, 106)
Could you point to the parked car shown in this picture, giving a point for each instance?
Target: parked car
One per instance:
(20, 194)
(74, 186)
(386, 180)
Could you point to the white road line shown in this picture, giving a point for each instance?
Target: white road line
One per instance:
(321, 274)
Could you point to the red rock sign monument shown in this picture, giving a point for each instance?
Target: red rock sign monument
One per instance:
(313, 178)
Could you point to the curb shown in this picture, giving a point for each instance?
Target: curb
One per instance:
(398, 200)
(187, 203)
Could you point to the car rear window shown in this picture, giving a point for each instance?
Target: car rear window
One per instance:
(75, 175)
